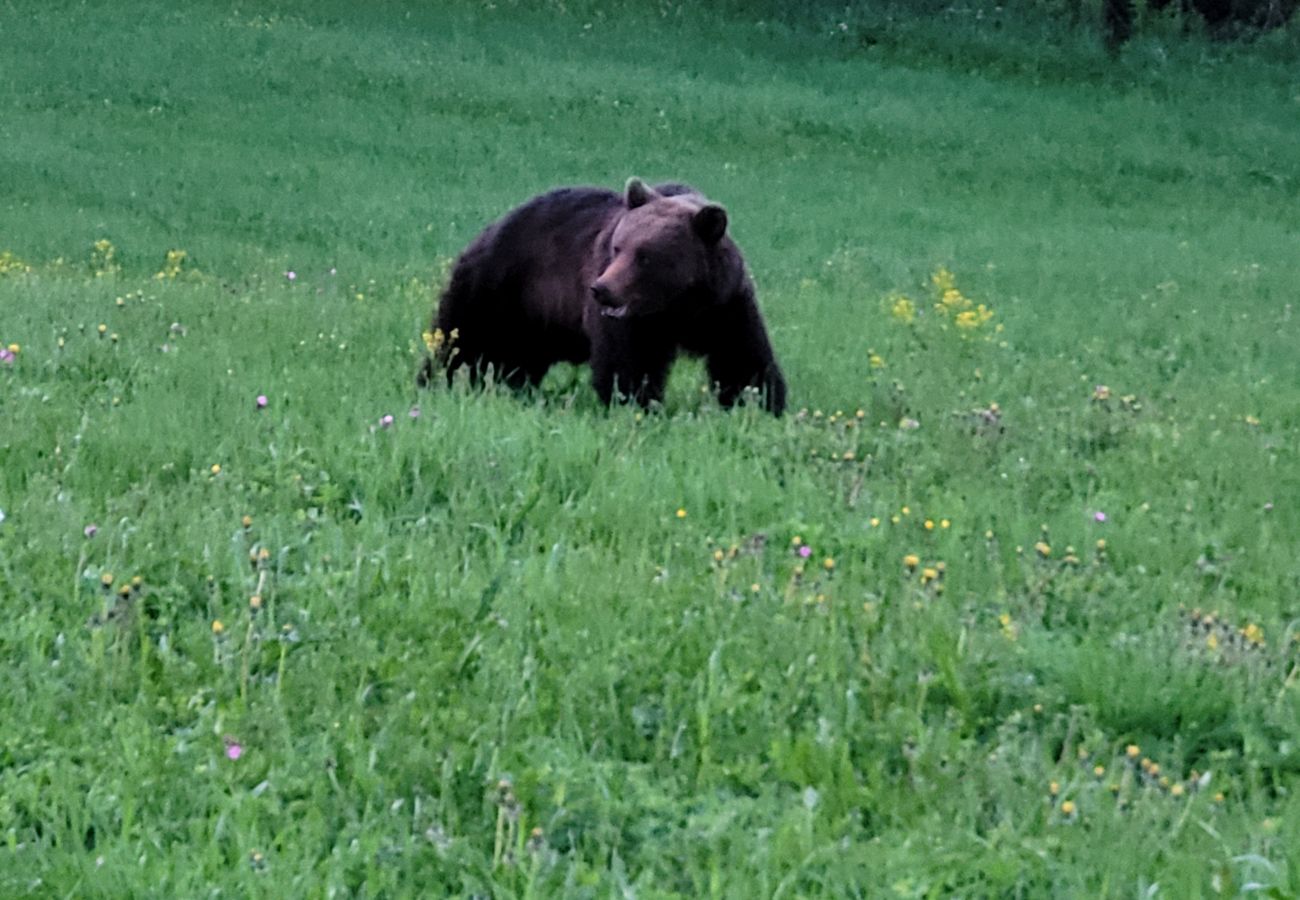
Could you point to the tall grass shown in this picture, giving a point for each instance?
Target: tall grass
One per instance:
(1006, 606)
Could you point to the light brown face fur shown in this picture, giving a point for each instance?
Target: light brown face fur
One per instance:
(659, 251)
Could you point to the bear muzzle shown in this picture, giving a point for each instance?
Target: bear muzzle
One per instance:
(609, 305)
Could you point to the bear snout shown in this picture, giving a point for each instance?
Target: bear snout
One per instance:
(608, 303)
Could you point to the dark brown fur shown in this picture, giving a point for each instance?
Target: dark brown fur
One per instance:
(625, 282)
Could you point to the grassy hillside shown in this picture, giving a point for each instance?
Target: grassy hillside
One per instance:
(1007, 606)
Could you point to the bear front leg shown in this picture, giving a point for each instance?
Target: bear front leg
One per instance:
(740, 356)
(628, 367)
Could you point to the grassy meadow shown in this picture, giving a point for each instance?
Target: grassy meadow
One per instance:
(1008, 605)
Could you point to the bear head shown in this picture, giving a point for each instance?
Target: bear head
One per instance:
(664, 253)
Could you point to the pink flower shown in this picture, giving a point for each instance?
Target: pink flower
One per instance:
(6, 356)
(234, 749)
(386, 422)
(291, 275)
(415, 412)
(261, 401)
(1099, 516)
(90, 530)
(805, 551)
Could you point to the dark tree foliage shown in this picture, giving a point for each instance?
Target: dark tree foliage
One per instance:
(1224, 19)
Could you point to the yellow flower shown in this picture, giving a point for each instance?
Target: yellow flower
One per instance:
(217, 627)
(875, 360)
(1132, 751)
(943, 280)
(1253, 633)
(247, 521)
(1068, 808)
(929, 525)
(1099, 771)
(681, 513)
(215, 469)
(1043, 548)
(911, 560)
(929, 574)
(106, 579)
(1176, 790)
(903, 311)
(875, 522)
(828, 564)
(1054, 788)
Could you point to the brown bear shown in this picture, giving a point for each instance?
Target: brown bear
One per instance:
(624, 281)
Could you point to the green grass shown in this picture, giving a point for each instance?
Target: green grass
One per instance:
(512, 613)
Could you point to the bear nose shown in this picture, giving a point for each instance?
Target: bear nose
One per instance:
(602, 295)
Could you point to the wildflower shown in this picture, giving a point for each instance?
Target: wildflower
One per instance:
(828, 564)
(234, 749)
(215, 469)
(911, 560)
(386, 421)
(102, 329)
(172, 266)
(1176, 790)
(1043, 548)
(875, 522)
(944, 523)
(217, 627)
(943, 280)
(929, 524)
(255, 602)
(903, 311)
(1099, 770)
(1101, 393)
(1132, 751)
(1254, 634)
(1099, 516)
(106, 580)
(1054, 788)
(246, 521)
(875, 360)
(1068, 808)
(6, 356)
(14, 349)
(261, 401)
(681, 513)
(2, 516)
(90, 530)
(929, 574)
(805, 551)
(291, 275)
(414, 412)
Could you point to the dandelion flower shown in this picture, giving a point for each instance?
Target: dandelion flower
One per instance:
(215, 469)
(1132, 751)
(911, 560)
(218, 627)
(681, 513)
(1068, 808)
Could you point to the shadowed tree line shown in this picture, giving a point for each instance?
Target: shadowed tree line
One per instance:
(1224, 19)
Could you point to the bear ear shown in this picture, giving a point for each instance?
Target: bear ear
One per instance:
(710, 223)
(638, 193)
